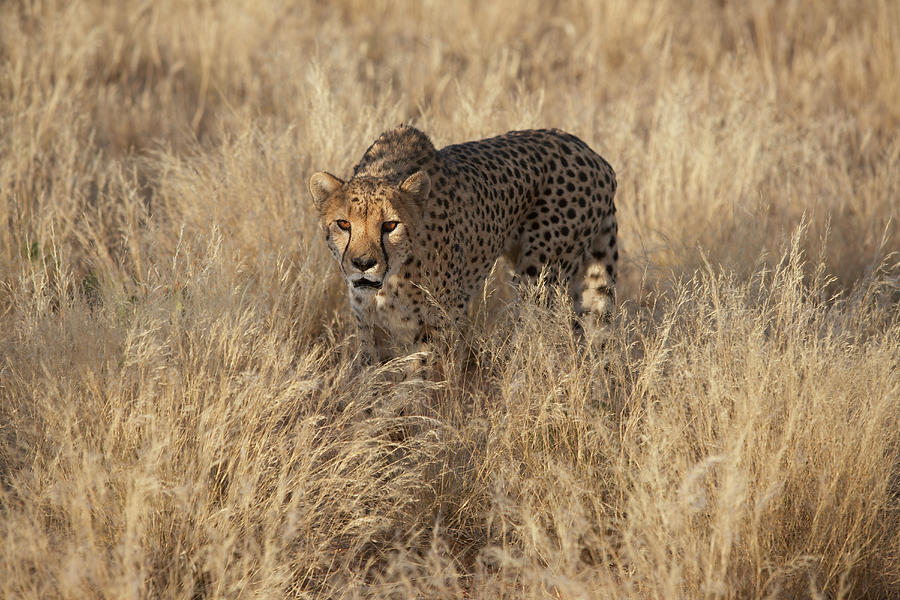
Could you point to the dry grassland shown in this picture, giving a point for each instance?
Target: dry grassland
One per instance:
(180, 416)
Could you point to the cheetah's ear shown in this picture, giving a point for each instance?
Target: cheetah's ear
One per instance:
(417, 185)
(322, 185)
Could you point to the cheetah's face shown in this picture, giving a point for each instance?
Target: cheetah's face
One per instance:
(369, 224)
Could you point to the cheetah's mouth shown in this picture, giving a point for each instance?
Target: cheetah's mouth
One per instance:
(363, 283)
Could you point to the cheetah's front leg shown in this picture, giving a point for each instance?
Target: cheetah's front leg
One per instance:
(423, 345)
(365, 334)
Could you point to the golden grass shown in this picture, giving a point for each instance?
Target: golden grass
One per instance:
(180, 416)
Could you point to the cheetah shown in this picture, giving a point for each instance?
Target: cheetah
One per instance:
(416, 230)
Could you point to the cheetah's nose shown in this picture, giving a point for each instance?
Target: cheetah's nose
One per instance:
(363, 263)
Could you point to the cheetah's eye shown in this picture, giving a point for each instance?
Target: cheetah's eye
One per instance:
(389, 226)
(344, 224)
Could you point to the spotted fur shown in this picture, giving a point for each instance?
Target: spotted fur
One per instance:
(416, 228)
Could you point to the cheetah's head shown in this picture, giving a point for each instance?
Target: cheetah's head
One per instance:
(369, 224)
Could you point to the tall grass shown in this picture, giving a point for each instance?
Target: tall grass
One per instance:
(181, 415)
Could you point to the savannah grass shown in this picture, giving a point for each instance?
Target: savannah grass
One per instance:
(181, 415)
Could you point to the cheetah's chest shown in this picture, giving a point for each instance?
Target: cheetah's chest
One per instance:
(395, 307)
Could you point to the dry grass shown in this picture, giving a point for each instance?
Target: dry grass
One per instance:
(179, 413)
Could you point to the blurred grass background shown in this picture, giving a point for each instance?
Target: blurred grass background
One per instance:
(179, 412)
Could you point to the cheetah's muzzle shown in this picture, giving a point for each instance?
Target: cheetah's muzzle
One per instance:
(367, 283)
